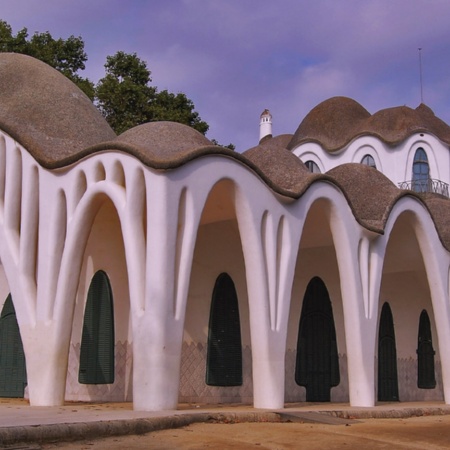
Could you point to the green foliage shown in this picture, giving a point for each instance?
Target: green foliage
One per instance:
(124, 96)
(177, 108)
(126, 99)
(66, 55)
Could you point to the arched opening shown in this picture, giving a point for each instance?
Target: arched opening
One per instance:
(224, 354)
(218, 268)
(312, 167)
(369, 161)
(421, 171)
(13, 374)
(103, 249)
(387, 357)
(97, 341)
(317, 364)
(425, 354)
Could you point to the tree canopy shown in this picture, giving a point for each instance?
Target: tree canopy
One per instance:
(126, 99)
(124, 95)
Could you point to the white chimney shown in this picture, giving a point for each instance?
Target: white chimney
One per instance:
(265, 125)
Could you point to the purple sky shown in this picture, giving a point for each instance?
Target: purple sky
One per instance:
(234, 58)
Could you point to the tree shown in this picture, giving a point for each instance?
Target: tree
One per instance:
(124, 96)
(126, 99)
(177, 108)
(66, 55)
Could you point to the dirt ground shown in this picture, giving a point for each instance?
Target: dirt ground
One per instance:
(428, 432)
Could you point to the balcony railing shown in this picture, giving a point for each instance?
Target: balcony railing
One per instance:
(425, 186)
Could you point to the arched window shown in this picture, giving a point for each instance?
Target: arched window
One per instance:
(13, 374)
(317, 364)
(97, 342)
(387, 357)
(421, 171)
(425, 354)
(312, 167)
(224, 357)
(369, 161)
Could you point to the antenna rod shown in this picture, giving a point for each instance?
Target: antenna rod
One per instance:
(420, 71)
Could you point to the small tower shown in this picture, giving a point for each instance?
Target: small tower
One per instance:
(265, 125)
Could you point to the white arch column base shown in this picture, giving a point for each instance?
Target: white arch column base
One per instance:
(46, 364)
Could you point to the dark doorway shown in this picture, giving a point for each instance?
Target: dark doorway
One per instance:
(425, 354)
(317, 365)
(13, 374)
(224, 357)
(97, 341)
(387, 358)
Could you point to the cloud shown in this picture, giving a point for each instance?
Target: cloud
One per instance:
(235, 58)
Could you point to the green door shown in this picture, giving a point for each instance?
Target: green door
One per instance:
(387, 358)
(97, 341)
(13, 374)
(317, 365)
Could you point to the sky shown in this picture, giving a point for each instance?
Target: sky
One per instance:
(235, 58)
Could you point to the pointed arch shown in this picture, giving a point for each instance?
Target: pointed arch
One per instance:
(13, 374)
(426, 378)
(224, 357)
(317, 363)
(387, 357)
(97, 341)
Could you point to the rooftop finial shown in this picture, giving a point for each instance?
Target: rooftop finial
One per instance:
(265, 125)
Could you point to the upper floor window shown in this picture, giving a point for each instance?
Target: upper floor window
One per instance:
(369, 161)
(312, 167)
(421, 171)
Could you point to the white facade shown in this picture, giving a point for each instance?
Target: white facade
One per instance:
(164, 218)
(396, 163)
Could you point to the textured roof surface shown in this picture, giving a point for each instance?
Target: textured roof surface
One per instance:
(46, 112)
(334, 123)
(370, 194)
(280, 166)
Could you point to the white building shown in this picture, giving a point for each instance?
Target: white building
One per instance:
(158, 268)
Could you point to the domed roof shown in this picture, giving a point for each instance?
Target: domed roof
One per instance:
(164, 141)
(280, 167)
(45, 112)
(332, 123)
(370, 194)
(336, 122)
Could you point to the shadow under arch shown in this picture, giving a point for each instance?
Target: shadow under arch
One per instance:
(316, 260)
(101, 248)
(217, 253)
(405, 284)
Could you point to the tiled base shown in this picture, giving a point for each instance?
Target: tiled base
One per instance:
(119, 391)
(193, 388)
(295, 393)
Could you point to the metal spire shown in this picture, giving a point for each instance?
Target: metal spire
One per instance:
(420, 72)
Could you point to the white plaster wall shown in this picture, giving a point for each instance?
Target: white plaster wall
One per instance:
(104, 251)
(393, 161)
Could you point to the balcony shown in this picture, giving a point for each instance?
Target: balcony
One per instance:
(427, 186)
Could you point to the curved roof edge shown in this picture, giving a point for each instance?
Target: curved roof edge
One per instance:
(334, 123)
